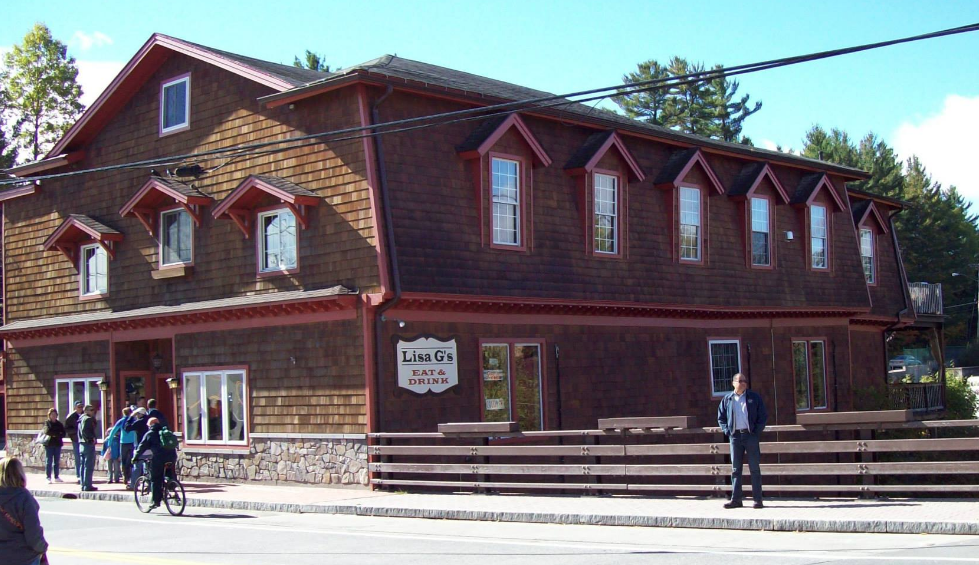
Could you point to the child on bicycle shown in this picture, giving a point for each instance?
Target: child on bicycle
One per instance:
(161, 456)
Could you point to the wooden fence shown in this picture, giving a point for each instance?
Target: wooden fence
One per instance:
(839, 453)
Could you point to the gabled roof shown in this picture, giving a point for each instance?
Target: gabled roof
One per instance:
(157, 191)
(238, 205)
(750, 177)
(595, 147)
(809, 187)
(76, 229)
(864, 209)
(149, 58)
(679, 164)
(490, 131)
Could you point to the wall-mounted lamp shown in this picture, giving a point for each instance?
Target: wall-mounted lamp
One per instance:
(104, 385)
(401, 323)
(156, 361)
(173, 383)
(789, 236)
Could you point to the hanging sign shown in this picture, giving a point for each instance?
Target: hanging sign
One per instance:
(427, 365)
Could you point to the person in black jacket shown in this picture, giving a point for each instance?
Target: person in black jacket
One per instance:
(742, 417)
(71, 430)
(161, 456)
(21, 535)
(87, 437)
(136, 423)
(55, 431)
(152, 412)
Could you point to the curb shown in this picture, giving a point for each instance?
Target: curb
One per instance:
(767, 524)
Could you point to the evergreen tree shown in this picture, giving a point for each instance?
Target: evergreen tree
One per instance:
(43, 92)
(312, 61)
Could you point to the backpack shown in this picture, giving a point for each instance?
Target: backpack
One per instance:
(168, 439)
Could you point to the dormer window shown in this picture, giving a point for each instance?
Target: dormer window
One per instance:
(175, 105)
(690, 224)
(688, 181)
(176, 238)
(606, 214)
(867, 255)
(506, 202)
(277, 239)
(88, 244)
(761, 230)
(819, 251)
(94, 270)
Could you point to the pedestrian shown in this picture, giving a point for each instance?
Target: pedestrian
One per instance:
(87, 437)
(152, 412)
(112, 451)
(742, 417)
(127, 442)
(71, 429)
(161, 456)
(21, 536)
(55, 431)
(136, 424)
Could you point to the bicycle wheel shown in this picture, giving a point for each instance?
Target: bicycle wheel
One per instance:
(143, 494)
(174, 497)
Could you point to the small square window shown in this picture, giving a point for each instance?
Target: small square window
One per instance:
(176, 238)
(94, 270)
(277, 236)
(725, 362)
(175, 105)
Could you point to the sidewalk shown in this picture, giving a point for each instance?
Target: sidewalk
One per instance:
(933, 516)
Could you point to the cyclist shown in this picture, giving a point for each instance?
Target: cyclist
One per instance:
(161, 456)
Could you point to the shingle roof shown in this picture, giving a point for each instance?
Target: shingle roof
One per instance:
(91, 223)
(295, 75)
(742, 183)
(479, 135)
(807, 184)
(859, 208)
(180, 187)
(674, 165)
(286, 186)
(588, 149)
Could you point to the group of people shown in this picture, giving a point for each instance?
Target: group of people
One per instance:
(135, 433)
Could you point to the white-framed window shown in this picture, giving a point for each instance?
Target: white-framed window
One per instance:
(606, 214)
(175, 104)
(818, 238)
(94, 270)
(506, 201)
(761, 250)
(725, 362)
(68, 390)
(809, 369)
(277, 238)
(176, 237)
(215, 407)
(511, 386)
(690, 224)
(867, 255)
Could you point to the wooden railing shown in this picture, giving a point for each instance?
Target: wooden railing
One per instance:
(920, 397)
(835, 456)
(926, 297)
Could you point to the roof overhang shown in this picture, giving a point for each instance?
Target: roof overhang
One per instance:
(822, 184)
(696, 158)
(511, 121)
(765, 172)
(77, 230)
(156, 192)
(46, 164)
(872, 212)
(612, 140)
(238, 205)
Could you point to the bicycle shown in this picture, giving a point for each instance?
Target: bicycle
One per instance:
(173, 492)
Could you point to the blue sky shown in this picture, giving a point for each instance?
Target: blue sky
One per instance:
(923, 98)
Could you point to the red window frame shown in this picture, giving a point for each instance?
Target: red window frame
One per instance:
(620, 212)
(523, 206)
(749, 212)
(809, 341)
(704, 195)
(511, 343)
(829, 238)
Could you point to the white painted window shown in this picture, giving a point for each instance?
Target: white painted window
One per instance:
(175, 104)
(86, 390)
(867, 255)
(214, 408)
(690, 224)
(176, 238)
(506, 202)
(818, 239)
(94, 270)
(761, 251)
(606, 214)
(725, 362)
(277, 237)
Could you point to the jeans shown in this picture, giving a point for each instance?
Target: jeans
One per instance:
(88, 464)
(115, 471)
(139, 469)
(53, 461)
(78, 460)
(127, 462)
(742, 443)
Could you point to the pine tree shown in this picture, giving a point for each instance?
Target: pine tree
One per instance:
(312, 61)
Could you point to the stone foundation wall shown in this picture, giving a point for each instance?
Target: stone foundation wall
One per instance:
(310, 460)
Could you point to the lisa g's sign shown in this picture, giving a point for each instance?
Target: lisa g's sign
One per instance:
(427, 364)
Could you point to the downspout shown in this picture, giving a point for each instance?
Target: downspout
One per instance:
(907, 302)
(382, 186)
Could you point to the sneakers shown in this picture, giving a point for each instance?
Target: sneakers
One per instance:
(50, 481)
(733, 504)
(758, 505)
(58, 480)
(154, 506)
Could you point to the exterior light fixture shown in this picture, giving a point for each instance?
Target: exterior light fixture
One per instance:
(104, 385)
(156, 361)
(173, 383)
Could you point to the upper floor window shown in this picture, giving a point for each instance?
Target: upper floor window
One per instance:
(175, 104)
(176, 238)
(867, 255)
(606, 214)
(506, 202)
(761, 251)
(819, 250)
(725, 362)
(94, 270)
(809, 366)
(690, 224)
(277, 239)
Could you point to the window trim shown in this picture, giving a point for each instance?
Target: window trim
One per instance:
(771, 232)
(829, 237)
(702, 234)
(710, 361)
(164, 131)
(246, 413)
(619, 213)
(193, 238)
(523, 206)
(808, 341)
(83, 272)
(511, 343)
(260, 241)
(873, 254)
(87, 378)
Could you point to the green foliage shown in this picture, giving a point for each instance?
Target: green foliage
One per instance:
(312, 61)
(960, 399)
(707, 108)
(40, 81)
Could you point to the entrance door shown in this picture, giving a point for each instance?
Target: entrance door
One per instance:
(164, 399)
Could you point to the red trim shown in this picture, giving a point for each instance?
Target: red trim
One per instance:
(239, 204)
(380, 246)
(829, 239)
(704, 215)
(824, 183)
(513, 120)
(872, 211)
(826, 387)
(150, 198)
(621, 210)
(43, 165)
(511, 343)
(260, 240)
(72, 233)
(613, 141)
(524, 207)
(766, 171)
(370, 396)
(186, 125)
(696, 158)
(873, 251)
(772, 223)
(18, 192)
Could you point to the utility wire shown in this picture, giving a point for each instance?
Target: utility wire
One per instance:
(484, 112)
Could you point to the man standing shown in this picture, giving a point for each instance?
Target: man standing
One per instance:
(152, 412)
(86, 436)
(742, 417)
(71, 430)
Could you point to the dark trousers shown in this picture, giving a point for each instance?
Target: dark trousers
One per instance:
(127, 461)
(88, 464)
(78, 460)
(742, 443)
(53, 461)
(157, 480)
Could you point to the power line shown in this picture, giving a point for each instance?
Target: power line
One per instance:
(550, 101)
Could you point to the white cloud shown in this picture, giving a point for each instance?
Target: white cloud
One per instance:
(945, 143)
(85, 41)
(94, 76)
(769, 144)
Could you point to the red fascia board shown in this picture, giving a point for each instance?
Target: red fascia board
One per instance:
(696, 158)
(132, 77)
(616, 141)
(46, 164)
(515, 121)
(872, 211)
(251, 184)
(66, 234)
(824, 182)
(154, 186)
(18, 192)
(304, 92)
(767, 171)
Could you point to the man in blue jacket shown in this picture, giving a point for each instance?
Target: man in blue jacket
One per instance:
(742, 418)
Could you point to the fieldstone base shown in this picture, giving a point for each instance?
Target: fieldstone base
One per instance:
(32, 456)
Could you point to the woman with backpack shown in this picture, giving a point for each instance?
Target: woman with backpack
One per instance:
(55, 431)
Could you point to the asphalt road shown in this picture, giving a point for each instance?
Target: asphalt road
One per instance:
(88, 532)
